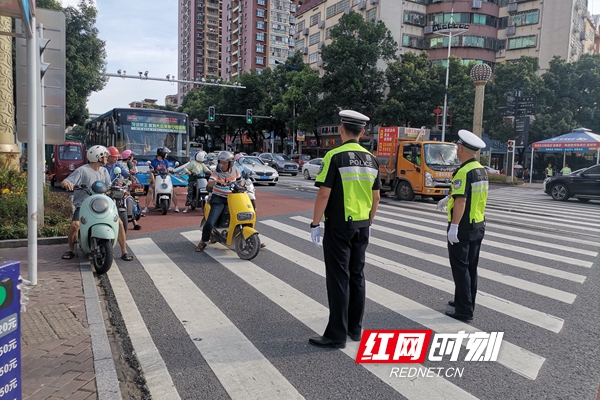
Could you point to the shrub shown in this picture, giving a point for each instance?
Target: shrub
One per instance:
(13, 206)
(501, 179)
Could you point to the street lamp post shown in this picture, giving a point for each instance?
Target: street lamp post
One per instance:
(480, 74)
(448, 30)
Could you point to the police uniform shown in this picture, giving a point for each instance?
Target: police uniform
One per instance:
(352, 173)
(469, 181)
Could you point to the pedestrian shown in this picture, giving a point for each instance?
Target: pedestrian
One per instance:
(86, 175)
(566, 170)
(348, 196)
(194, 169)
(466, 223)
(526, 174)
(548, 171)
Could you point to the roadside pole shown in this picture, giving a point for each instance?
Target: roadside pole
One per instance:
(32, 167)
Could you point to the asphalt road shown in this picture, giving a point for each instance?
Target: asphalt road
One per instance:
(210, 326)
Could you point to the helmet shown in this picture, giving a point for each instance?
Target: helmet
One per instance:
(200, 156)
(162, 152)
(225, 156)
(113, 151)
(95, 153)
(126, 154)
(238, 156)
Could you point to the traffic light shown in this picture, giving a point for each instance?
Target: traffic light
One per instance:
(249, 116)
(511, 145)
(211, 114)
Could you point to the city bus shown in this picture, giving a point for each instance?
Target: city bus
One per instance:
(143, 131)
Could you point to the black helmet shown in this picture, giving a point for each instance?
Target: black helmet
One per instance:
(162, 152)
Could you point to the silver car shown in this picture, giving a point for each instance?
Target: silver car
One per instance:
(311, 169)
(258, 171)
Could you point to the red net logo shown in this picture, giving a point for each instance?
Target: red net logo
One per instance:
(393, 346)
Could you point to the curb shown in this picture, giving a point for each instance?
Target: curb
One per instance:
(42, 241)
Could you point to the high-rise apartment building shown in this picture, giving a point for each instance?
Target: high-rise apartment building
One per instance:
(499, 30)
(199, 42)
(255, 34)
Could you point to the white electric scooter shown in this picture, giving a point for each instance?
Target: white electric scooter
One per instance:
(163, 188)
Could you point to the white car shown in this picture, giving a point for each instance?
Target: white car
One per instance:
(258, 171)
(491, 170)
(311, 169)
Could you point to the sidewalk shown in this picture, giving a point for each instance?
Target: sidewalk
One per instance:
(57, 353)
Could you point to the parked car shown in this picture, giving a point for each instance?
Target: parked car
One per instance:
(281, 162)
(311, 169)
(300, 159)
(491, 170)
(66, 158)
(582, 184)
(258, 171)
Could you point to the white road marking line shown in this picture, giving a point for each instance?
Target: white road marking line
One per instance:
(242, 370)
(155, 371)
(315, 316)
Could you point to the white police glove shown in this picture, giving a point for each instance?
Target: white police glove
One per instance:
(315, 235)
(441, 205)
(453, 234)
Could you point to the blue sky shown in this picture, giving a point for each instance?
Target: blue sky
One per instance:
(140, 35)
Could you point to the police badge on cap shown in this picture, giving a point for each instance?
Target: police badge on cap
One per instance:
(470, 140)
(353, 118)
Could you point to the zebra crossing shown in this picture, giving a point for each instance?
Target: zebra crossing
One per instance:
(245, 324)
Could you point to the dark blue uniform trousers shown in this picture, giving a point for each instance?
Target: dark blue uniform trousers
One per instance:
(344, 253)
(464, 257)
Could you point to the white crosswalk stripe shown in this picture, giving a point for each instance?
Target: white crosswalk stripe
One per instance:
(549, 268)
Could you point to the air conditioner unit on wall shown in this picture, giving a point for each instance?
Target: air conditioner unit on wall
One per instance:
(428, 29)
(305, 50)
(512, 8)
(305, 32)
(362, 5)
(511, 30)
(476, 4)
(321, 24)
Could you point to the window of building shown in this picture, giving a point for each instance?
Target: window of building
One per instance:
(260, 25)
(415, 18)
(260, 13)
(299, 43)
(330, 11)
(300, 26)
(260, 2)
(259, 71)
(328, 32)
(522, 42)
(314, 19)
(313, 58)
(371, 15)
(260, 48)
(260, 60)
(529, 17)
(260, 36)
(414, 42)
(314, 38)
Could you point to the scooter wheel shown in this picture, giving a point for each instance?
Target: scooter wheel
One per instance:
(247, 249)
(103, 256)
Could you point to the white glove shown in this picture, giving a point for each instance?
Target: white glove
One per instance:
(441, 205)
(453, 234)
(315, 235)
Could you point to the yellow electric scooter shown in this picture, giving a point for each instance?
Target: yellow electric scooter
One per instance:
(235, 226)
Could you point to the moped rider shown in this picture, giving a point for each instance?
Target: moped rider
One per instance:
(86, 175)
(160, 159)
(224, 174)
(194, 169)
(113, 157)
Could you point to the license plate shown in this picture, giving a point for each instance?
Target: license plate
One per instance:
(139, 190)
(445, 192)
(289, 167)
(264, 177)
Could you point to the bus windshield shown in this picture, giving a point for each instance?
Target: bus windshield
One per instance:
(145, 132)
(441, 154)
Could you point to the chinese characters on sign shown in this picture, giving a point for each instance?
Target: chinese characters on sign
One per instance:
(151, 127)
(388, 136)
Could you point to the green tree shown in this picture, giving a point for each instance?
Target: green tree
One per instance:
(85, 63)
(352, 79)
(415, 90)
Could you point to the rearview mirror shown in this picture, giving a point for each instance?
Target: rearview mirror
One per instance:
(176, 164)
(117, 171)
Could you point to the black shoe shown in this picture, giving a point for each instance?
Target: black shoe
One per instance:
(460, 317)
(451, 303)
(355, 336)
(322, 341)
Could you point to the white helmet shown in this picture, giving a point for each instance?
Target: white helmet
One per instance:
(95, 153)
(200, 156)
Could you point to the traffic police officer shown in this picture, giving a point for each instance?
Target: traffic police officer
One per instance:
(466, 224)
(348, 197)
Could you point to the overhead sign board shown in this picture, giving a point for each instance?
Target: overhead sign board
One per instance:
(54, 83)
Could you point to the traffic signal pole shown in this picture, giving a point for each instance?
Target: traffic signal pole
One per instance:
(33, 85)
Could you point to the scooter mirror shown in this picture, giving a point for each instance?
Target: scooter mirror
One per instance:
(149, 162)
(176, 164)
(117, 170)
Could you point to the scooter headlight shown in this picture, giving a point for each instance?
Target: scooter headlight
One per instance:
(71, 167)
(245, 216)
(164, 185)
(83, 220)
(99, 205)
